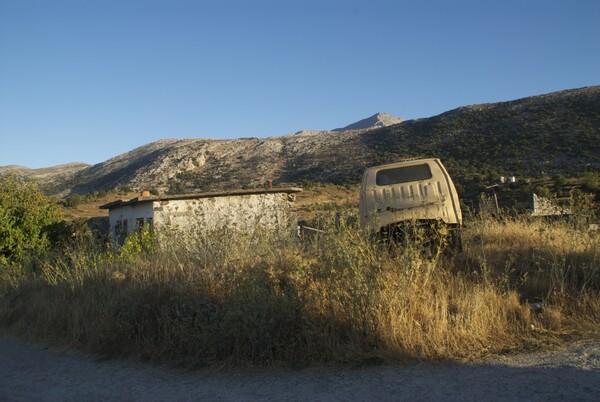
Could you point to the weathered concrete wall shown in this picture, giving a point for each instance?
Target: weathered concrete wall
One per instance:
(128, 215)
(243, 213)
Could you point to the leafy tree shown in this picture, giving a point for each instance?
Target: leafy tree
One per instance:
(26, 215)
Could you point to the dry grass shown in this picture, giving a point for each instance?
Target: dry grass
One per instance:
(334, 298)
(318, 197)
(540, 259)
(90, 206)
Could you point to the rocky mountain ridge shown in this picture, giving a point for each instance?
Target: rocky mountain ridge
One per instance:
(50, 176)
(376, 121)
(535, 136)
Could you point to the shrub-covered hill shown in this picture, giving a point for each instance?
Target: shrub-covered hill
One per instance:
(542, 140)
(558, 133)
(534, 137)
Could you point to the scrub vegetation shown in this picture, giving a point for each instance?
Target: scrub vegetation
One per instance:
(28, 219)
(334, 297)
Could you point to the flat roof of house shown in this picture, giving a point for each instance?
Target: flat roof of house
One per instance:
(140, 199)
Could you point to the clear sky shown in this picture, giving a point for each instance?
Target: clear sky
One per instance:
(86, 80)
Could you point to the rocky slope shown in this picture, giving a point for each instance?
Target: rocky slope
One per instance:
(530, 137)
(180, 165)
(375, 121)
(51, 177)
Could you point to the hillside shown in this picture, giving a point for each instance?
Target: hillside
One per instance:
(51, 177)
(541, 135)
(557, 133)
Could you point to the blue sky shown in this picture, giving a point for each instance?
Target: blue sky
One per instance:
(86, 80)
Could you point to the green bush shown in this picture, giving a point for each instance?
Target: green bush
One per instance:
(137, 243)
(72, 201)
(591, 182)
(26, 216)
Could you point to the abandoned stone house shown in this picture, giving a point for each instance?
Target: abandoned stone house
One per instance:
(193, 214)
(533, 204)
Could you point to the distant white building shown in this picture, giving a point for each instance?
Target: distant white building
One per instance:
(194, 214)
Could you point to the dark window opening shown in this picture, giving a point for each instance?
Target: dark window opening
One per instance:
(140, 224)
(403, 174)
(120, 231)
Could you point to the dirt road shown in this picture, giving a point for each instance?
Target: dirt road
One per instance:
(32, 373)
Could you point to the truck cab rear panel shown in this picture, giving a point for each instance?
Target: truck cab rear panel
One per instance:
(416, 190)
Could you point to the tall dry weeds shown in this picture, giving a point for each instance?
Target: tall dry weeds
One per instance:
(538, 258)
(335, 297)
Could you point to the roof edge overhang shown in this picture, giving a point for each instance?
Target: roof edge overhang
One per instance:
(141, 199)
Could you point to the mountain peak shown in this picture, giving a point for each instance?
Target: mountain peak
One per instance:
(377, 120)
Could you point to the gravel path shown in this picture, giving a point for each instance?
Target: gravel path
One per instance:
(33, 373)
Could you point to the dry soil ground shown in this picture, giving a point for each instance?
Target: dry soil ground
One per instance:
(34, 373)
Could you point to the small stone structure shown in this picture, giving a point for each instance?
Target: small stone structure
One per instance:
(541, 206)
(194, 214)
